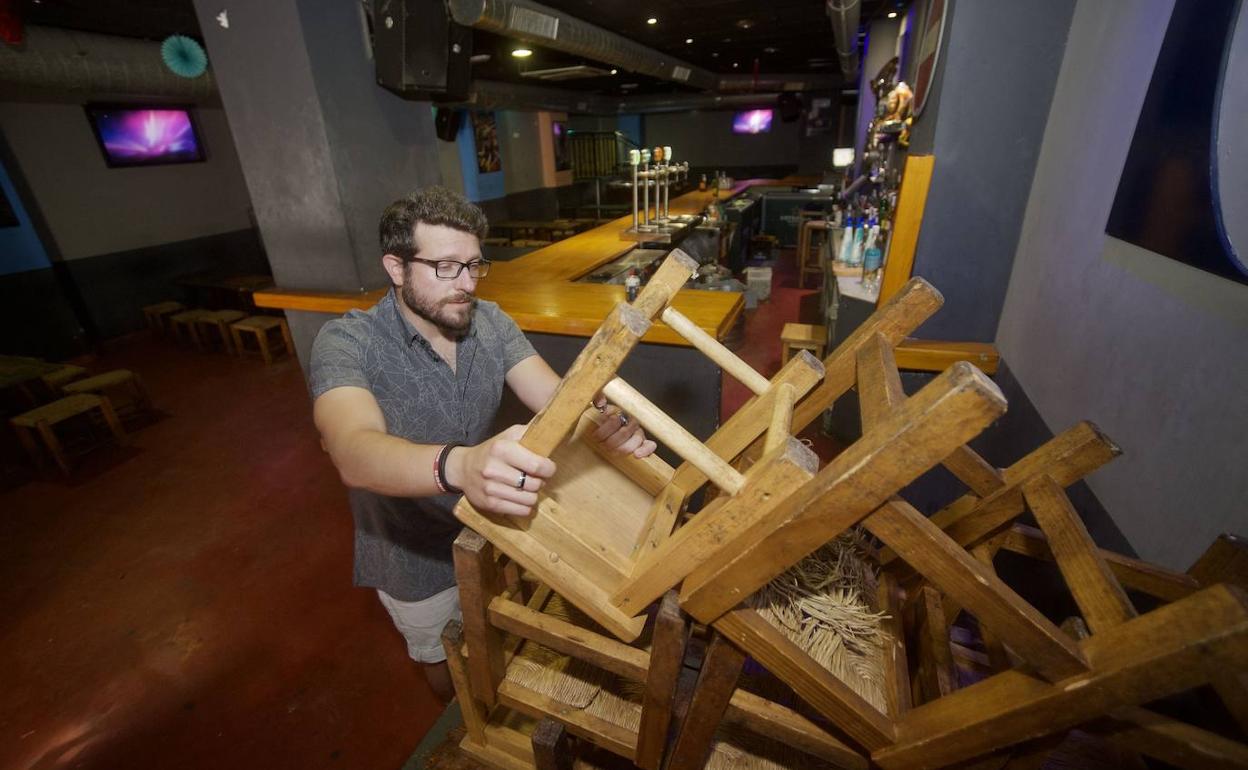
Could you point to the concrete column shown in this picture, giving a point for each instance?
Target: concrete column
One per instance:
(322, 146)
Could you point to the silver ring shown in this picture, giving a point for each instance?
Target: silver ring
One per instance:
(524, 476)
(623, 419)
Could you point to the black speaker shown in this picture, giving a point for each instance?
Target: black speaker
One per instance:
(790, 105)
(446, 123)
(419, 52)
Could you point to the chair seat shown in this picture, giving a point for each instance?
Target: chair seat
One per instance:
(64, 375)
(59, 410)
(189, 316)
(223, 316)
(258, 323)
(804, 334)
(100, 381)
(163, 307)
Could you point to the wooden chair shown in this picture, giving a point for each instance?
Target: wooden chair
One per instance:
(802, 337)
(262, 328)
(156, 316)
(780, 509)
(58, 378)
(810, 257)
(213, 329)
(43, 420)
(112, 383)
(184, 327)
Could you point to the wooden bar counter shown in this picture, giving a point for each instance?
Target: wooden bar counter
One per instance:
(539, 292)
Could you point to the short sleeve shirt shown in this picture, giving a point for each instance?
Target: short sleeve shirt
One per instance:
(403, 545)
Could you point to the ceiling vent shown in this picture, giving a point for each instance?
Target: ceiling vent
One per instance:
(567, 73)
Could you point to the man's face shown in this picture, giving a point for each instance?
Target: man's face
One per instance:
(446, 304)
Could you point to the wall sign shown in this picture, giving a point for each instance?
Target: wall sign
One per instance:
(929, 52)
(1184, 188)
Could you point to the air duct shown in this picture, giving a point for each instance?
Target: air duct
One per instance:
(844, 15)
(535, 23)
(495, 95)
(58, 61)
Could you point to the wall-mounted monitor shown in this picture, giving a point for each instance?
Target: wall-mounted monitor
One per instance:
(752, 122)
(134, 135)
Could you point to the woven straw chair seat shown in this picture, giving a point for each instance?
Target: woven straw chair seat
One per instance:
(59, 410)
(100, 381)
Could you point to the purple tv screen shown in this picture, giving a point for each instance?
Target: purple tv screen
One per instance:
(752, 122)
(142, 136)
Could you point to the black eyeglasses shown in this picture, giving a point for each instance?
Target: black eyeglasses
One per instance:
(449, 269)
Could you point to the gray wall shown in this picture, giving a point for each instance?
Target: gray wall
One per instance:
(91, 209)
(1150, 349)
(999, 64)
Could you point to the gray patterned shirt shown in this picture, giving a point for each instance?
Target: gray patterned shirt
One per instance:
(403, 545)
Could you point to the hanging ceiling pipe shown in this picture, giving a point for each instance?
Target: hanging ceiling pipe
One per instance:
(492, 94)
(58, 61)
(844, 15)
(541, 25)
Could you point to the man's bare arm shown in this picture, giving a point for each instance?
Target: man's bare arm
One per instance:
(354, 432)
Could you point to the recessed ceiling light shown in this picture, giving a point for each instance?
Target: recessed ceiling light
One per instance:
(735, 65)
(652, 20)
(892, 14)
(614, 71)
(770, 49)
(745, 23)
(714, 54)
(521, 53)
(688, 40)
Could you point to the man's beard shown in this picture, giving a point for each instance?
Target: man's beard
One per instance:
(437, 312)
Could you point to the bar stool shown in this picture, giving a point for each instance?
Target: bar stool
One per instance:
(156, 315)
(810, 254)
(112, 382)
(41, 421)
(215, 325)
(57, 380)
(810, 337)
(260, 326)
(182, 327)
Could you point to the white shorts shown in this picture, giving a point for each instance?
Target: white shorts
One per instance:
(421, 622)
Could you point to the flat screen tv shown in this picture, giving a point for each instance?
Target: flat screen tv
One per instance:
(752, 122)
(133, 135)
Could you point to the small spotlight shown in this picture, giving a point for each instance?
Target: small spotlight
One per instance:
(892, 14)
(688, 40)
(614, 71)
(652, 20)
(735, 65)
(714, 54)
(521, 53)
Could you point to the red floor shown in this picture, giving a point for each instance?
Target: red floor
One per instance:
(187, 602)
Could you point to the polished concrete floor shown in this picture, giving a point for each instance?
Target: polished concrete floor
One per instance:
(186, 601)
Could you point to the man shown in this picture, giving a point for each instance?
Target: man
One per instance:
(405, 394)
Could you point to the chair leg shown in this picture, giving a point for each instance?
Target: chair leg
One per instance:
(716, 682)
(288, 339)
(236, 337)
(54, 446)
(114, 424)
(31, 446)
(552, 747)
(262, 337)
(226, 338)
(141, 394)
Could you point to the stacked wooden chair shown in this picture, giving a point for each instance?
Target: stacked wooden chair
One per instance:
(604, 538)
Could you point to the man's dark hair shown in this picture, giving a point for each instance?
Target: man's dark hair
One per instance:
(432, 206)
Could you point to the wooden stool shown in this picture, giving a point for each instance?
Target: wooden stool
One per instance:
(810, 250)
(101, 384)
(58, 379)
(261, 326)
(183, 327)
(215, 324)
(802, 337)
(43, 419)
(157, 315)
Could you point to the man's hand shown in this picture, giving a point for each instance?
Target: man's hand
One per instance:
(499, 475)
(620, 432)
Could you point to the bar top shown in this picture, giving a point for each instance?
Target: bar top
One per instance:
(537, 289)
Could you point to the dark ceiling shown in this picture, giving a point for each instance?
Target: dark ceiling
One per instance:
(730, 37)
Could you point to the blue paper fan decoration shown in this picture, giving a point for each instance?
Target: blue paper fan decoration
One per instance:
(184, 56)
